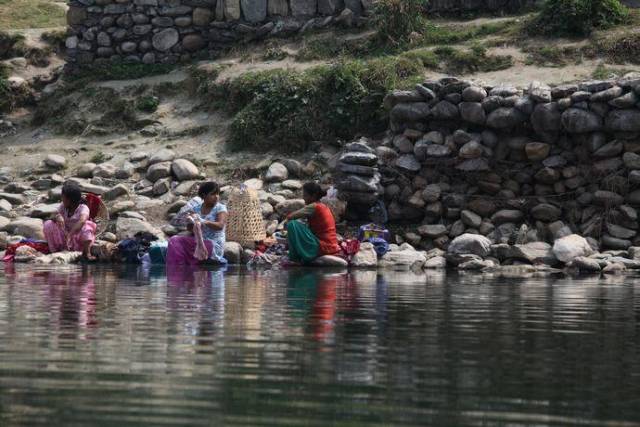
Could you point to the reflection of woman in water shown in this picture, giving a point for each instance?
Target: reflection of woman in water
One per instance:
(314, 295)
(204, 291)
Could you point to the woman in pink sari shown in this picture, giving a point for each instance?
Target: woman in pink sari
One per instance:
(71, 230)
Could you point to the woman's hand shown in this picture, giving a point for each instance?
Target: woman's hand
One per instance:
(59, 220)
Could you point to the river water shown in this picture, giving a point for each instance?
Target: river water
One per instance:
(121, 346)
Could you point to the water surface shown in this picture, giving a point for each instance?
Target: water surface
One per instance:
(121, 346)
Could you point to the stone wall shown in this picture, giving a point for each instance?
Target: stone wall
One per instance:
(168, 31)
(466, 158)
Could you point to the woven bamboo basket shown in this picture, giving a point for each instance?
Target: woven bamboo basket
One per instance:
(101, 219)
(244, 225)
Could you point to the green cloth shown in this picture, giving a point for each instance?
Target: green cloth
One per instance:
(304, 246)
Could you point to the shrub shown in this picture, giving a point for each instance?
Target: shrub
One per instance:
(620, 48)
(148, 104)
(284, 109)
(577, 17)
(395, 20)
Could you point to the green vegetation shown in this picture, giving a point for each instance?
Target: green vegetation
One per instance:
(337, 46)
(603, 72)
(553, 56)
(10, 97)
(120, 71)
(274, 54)
(396, 20)
(16, 14)
(55, 38)
(282, 106)
(620, 48)
(475, 59)
(11, 45)
(577, 17)
(327, 102)
(148, 104)
(100, 157)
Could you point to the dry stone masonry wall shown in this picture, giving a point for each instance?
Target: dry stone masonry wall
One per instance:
(168, 31)
(513, 165)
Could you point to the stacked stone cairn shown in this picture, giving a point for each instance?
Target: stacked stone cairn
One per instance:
(162, 31)
(358, 178)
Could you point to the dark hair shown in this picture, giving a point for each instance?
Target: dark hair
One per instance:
(314, 190)
(208, 188)
(72, 192)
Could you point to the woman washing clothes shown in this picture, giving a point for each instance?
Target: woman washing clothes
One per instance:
(206, 222)
(71, 229)
(318, 238)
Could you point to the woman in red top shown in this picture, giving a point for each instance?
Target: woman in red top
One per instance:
(306, 243)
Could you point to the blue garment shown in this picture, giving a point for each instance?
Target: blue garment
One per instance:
(217, 237)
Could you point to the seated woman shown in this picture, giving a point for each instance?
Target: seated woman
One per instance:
(207, 223)
(306, 243)
(71, 229)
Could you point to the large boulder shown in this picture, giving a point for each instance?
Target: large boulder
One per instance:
(165, 39)
(402, 260)
(330, 261)
(184, 170)
(159, 170)
(623, 121)
(405, 112)
(470, 244)
(366, 257)
(277, 172)
(164, 155)
(55, 161)
(27, 227)
(303, 7)
(576, 120)
(128, 227)
(534, 252)
(233, 252)
(505, 118)
(288, 206)
(254, 10)
(44, 211)
(568, 248)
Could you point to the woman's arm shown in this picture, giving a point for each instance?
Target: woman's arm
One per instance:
(219, 223)
(306, 212)
(78, 225)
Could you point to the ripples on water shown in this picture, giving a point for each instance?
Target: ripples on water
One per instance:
(118, 346)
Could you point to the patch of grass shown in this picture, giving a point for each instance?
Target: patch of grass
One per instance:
(100, 157)
(11, 97)
(285, 109)
(334, 46)
(274, 54)
(440, 34)
(121, 71)
(11, 45)
(16, 14)
(148, 104)
(620, 48)
(55, 38)
(457, 61)
(396, 20)
(552, 56)
(602, 72)
(577, 17)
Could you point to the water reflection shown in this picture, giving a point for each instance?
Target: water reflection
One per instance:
(127, 345)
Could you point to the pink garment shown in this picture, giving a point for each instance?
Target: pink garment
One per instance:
(200, 253)
(182, 250)
(58, 237)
